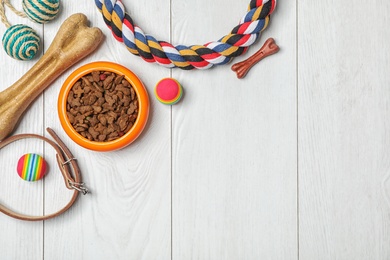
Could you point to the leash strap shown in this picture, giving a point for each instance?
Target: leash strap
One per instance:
(67, 165)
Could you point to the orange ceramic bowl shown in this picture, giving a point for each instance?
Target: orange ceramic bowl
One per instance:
(143, 107)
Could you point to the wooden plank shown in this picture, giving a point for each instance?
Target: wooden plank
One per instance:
(234, 143)
(20, 196)
(127, 216)
(343, 134)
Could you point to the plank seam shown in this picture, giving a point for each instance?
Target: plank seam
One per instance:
(297, 126)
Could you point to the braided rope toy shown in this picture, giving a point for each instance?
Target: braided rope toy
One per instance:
(187, 57)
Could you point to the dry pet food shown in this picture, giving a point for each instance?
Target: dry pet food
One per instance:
(102, 106)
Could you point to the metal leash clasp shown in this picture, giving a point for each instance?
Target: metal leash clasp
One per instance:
(79, 187)
(69, 180)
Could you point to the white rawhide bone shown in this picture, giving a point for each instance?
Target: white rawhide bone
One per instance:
(74, 41)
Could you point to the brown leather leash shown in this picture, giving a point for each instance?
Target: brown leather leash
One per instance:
(67, 164)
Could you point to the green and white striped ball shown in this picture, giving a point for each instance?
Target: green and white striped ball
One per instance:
(21, 42)
(41, 11)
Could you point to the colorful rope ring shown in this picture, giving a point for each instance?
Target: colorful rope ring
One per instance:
(187, 57)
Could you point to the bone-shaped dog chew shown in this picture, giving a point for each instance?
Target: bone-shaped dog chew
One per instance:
(74, 41)
(267, 49)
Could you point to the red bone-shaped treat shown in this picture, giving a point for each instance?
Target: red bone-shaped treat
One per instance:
(266, 50)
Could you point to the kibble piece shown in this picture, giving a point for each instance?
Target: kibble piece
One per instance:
(95, 75)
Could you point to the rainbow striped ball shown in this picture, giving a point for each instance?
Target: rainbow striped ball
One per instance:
(21, 42)
(31, 167)
(41, 11)
(168, 91)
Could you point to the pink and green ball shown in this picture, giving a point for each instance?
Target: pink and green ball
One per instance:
(31, 167)
(168, 91)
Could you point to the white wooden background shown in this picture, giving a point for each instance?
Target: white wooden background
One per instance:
(285, 164)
